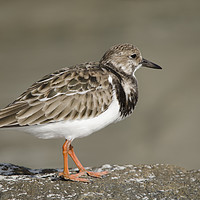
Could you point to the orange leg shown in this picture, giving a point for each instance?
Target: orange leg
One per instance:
(65, 174)
(68, 149)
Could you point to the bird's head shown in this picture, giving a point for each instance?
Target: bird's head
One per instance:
(126, 58)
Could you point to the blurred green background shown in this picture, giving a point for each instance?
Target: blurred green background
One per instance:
(39, 37)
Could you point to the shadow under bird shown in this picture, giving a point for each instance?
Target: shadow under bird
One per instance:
(76, 101)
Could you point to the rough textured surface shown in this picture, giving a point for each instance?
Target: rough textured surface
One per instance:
(123, 182)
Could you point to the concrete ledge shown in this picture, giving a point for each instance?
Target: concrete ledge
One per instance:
(123, 182)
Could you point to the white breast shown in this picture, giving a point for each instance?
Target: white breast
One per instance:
(76, 128)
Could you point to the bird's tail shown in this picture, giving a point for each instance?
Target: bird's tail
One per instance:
(8, 116)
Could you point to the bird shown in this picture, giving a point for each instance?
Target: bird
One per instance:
(76, 101)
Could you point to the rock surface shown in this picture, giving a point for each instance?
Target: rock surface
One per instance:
(123, 182)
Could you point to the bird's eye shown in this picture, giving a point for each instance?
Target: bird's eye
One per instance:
(133, 55)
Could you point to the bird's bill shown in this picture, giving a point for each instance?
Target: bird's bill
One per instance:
(146, 63)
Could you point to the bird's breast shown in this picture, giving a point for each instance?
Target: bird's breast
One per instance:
(127, 95)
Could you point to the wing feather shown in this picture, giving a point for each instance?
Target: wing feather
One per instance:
(31, 118)
(27, 112)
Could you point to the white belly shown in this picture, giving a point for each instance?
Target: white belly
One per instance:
(76, 128)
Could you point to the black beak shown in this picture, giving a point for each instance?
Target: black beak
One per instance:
(146, 63)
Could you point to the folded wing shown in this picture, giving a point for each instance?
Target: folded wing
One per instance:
(68, 94)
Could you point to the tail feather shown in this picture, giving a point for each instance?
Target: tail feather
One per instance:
(8, 121)
(8, 114)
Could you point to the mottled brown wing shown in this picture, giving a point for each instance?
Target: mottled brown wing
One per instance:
(72, 93)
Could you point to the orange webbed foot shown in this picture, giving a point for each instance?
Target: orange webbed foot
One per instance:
(74, 177)
(96, 174)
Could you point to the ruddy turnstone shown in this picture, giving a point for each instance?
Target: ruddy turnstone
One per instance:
(74, 102)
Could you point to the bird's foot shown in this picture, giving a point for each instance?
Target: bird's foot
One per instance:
(74, 177)
(96, 174)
